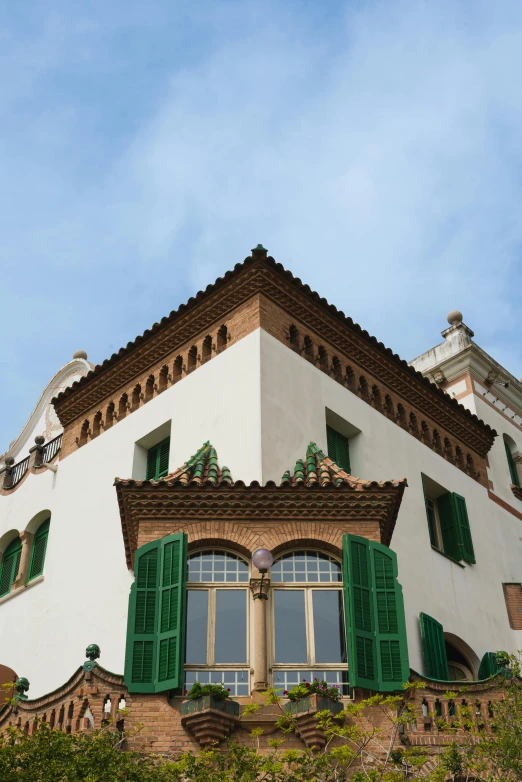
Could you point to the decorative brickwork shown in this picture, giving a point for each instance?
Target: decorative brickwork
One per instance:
(257, 293)
(91, 699)
(296, 513)
(513, 597)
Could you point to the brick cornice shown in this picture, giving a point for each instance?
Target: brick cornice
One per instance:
(266, 277)
(142, 504)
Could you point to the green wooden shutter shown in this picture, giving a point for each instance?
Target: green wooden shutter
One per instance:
(158, 460)
(449, 526)
(163, 457)
(173, 593)
(38, 550)
(488, 665)
(461, 512)
(157, 616)
(512, 466)
(434, 647)
(10, 565)
(338, 449)
(140, 656)
(430, 516)
(375, 624)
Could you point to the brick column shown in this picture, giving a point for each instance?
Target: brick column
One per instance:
(7, 482)
(37, 450)
(260, 643)
(25, 559)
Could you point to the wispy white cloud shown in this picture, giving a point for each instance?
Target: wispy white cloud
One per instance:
(374, 148)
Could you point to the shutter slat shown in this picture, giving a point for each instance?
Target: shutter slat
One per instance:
(434, 647)
(152, 458)
(38, 550)
(449, 527)
(461, 512)
(512, 466)
(163, 459)
(6, 579)
(338, 448)
(173, 612)
(9, 565)
(140, 665)
(374, 615)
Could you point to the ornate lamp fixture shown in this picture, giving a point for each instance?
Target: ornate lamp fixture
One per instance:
(262, 559)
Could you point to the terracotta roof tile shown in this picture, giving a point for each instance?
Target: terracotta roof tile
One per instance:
(319, 470)
(221, 282)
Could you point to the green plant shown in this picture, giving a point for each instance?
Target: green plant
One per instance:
(318, 686)
(218, 691)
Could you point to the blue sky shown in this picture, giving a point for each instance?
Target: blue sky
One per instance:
(374, 148)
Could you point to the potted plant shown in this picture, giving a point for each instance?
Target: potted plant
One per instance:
(209, 713)
(305, 700)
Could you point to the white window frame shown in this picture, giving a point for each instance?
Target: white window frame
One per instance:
(211, 587)
(307, 587)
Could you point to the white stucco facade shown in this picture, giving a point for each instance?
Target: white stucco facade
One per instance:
(259, 404)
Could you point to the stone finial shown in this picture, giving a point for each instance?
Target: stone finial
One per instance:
(80, 354)
(21, 687)
(259, 251)
(454, 317)
(39, 439)
(92, 653)
(9, 461)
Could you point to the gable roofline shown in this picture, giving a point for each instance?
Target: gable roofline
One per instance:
(260, 259)
(209, 485)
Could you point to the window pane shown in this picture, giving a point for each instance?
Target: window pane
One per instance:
(305, 566)
(290, 626)
(238, 682)
(330, 645)
(197, 623)
(231, 632)
(208, 566)
(285, 680)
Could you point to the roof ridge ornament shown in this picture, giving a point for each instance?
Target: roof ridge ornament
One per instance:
(259, 251)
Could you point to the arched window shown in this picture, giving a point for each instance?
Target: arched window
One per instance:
(217, 621)
(9, 566)
(309, 639)
(38, 550)
(511, 449)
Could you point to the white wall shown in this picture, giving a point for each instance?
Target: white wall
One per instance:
(468, 601)
(83, 598)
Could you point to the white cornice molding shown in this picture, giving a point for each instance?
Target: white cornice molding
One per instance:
(474, 359)
(76, 368)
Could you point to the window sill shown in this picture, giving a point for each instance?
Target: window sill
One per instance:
(446, 556)
(16, 592)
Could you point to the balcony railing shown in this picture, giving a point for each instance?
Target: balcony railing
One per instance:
(39, 454)
(19, 471)
(51, 448)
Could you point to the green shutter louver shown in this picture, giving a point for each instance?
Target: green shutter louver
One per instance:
(9, 566)
(338, 449)
(512, 466)
(375, 623)
(430, 515)
(450, 527)
(490, 664)
(434, 647)
(38, 550)
(158, 460)
(461, 513)
(157, 613)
